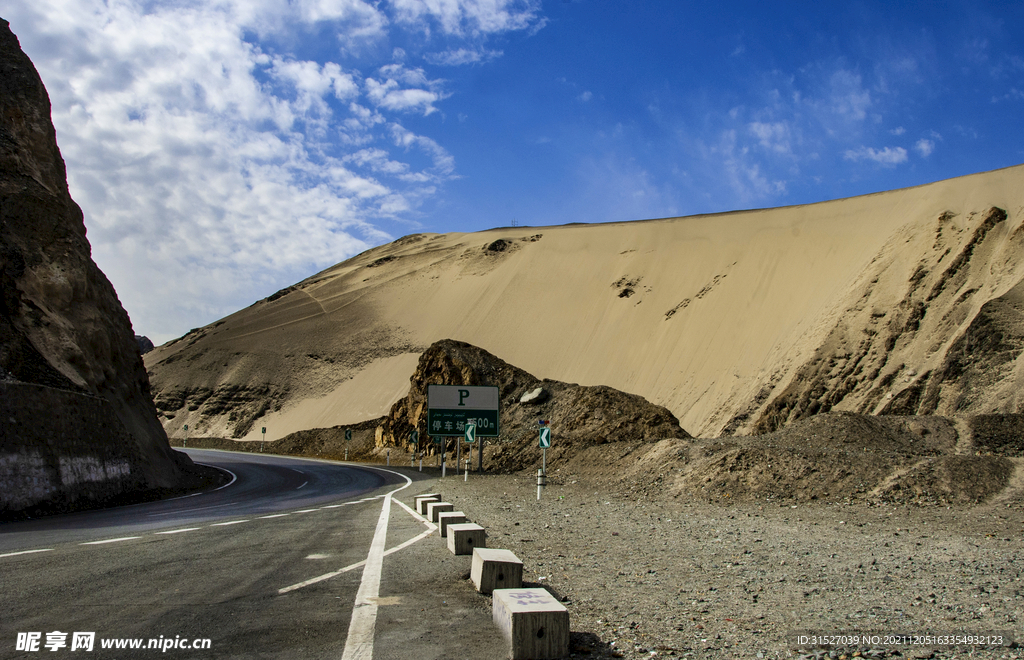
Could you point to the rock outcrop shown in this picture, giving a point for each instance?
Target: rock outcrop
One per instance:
(77, 422)
(580, 416)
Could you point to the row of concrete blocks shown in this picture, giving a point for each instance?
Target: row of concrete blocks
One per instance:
(535, 625)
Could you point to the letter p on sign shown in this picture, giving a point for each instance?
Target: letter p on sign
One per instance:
(463, 394)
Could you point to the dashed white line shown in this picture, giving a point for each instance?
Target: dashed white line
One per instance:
(179, 531)
(306, 511)
(230, 522)
(123, 538)
(303, 484)
(26, 552)
(276, 515)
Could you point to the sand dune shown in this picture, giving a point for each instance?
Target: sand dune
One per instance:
(905, 301)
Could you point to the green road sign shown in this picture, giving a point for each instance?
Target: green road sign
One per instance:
(264, 429)
(545, 438)
(348, 434)
(450, 407)
(414, 437)
(470, 433)
(437, 439)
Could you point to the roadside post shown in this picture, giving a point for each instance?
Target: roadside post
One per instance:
(414, 439)
(544, 442)
(348, 437)
(470, 439)
(264, 439)
(389, 457)
(185, 444)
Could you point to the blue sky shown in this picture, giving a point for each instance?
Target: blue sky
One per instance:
(224, 149)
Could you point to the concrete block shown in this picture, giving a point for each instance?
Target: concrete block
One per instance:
(464, 537)
(534, 624)
(423, 500)
(434, 509)
(496, 569)
(446, 518)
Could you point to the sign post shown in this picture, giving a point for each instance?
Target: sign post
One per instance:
(185, 444)
(545, 442)
(470, 439)
(264, 439)
(348, 437)
(414, 439)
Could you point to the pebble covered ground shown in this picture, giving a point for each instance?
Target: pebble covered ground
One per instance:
(646, 576)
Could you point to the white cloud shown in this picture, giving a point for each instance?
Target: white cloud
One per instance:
(470, 17)
(889, 156)
(899, 130)
(389, 94)
(213, 171)
(772, 136)
(461, 56)
(924, 147)
(586, 96)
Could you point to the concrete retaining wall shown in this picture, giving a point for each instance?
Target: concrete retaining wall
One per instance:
(62, 450)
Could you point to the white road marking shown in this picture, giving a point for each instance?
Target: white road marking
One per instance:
(232, 522)
(328, 576)
(359, 643)
(276, 515)
(26, 552)
(179, 531)
(204, 508)
(306, 511)
(123, 538)
(303, 484)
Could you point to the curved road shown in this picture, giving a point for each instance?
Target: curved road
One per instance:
(262, 483)
(271, 565)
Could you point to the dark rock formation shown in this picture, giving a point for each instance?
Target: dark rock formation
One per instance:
(145, 344)
(579, 416)
(77, 422)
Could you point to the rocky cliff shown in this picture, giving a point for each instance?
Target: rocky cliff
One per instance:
(582, 416)
(77, 421)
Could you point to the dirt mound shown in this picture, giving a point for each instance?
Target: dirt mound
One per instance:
(838, 457)
(998, 434)
(580, 416)
(846, 456)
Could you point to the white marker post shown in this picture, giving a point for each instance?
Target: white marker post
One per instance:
(264, 439)
(542, 474)
(470, 439)
(348, 437)
(185, 444)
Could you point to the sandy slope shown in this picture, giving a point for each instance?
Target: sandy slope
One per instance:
(728, 320)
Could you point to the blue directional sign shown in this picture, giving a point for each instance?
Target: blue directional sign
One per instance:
(545, 438)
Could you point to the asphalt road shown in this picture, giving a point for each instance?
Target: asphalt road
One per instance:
(269, 566)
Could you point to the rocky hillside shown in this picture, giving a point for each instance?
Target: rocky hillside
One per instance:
(582, 416)
(79, 426)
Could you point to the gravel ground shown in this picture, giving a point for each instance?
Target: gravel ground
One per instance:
(647, 576)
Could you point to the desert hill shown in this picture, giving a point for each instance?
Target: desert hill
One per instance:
(78, 423)
(903, 302)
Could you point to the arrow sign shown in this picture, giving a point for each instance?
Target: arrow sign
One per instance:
(414, 437)
(470, 433)
(348, 434)
(545, 438)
